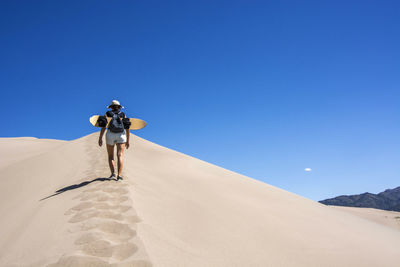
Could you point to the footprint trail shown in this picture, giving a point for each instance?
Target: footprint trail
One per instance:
(103, 222)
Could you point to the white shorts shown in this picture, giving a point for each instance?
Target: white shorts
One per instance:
(115, 138)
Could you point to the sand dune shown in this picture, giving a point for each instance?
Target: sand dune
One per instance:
(172, 210)
(384, 217)
(15, 149)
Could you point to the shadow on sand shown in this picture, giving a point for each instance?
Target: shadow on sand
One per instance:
(75, 186)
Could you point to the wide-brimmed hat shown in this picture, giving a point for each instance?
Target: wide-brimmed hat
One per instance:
(115, 103)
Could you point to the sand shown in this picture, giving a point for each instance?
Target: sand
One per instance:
(58, 209)
(384, 217)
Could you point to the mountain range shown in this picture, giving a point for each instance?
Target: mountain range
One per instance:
(386, 200)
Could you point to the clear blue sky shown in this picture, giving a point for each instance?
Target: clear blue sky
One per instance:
(263, 88)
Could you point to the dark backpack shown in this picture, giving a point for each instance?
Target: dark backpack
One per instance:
(116, 125)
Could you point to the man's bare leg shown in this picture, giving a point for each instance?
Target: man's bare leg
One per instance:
(110, 151)
(120, 155)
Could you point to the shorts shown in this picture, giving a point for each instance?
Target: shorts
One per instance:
(115, 138)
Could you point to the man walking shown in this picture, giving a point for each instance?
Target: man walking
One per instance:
(116, 135)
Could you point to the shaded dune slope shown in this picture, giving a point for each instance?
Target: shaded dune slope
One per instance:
(171, 210)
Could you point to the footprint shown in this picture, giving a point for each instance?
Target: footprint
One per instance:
(88, 214)
(106, 185)
(108, 189)
(118, 230)
(81, 206)
(69, 212)
(133, 219)
(119, 200)
(91, 190)
(90, 196)
(79, 196)
(136, 263)
(84, 215)
(124, 251)
(98, 248)
(87, 238)
(102, 198)
(103, 206)
(124, 208)
(80, 261)
(109, 215)
(118, 191)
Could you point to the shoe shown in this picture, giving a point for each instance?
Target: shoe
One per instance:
(112, 176)
(120, 178)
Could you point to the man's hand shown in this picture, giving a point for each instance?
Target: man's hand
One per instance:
(127, 144)
(100, 141)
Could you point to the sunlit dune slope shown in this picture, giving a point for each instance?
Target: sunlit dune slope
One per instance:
(171, 210)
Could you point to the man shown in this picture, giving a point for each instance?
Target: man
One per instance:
(115, 136)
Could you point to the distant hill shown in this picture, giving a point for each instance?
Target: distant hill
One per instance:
(386, 200)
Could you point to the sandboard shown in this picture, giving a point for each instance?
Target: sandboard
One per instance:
(136, 124)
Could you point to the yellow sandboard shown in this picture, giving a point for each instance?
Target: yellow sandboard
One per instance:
(136, 124)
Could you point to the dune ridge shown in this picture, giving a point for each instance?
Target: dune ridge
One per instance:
(171, 210)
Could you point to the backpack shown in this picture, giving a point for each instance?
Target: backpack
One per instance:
(116, 125)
